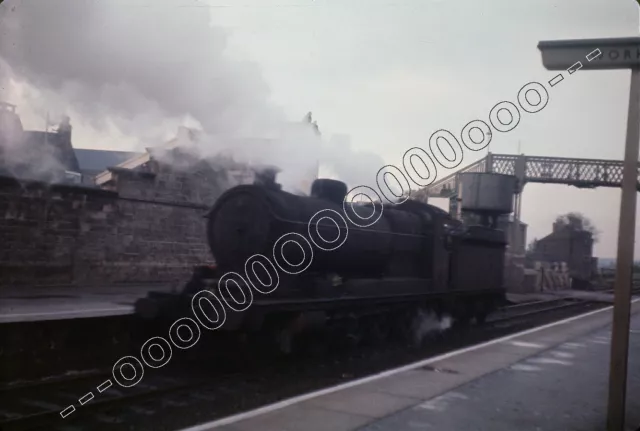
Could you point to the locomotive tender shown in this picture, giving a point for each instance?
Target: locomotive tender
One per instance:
(330, 271)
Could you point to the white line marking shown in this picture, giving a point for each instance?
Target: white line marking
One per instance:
(562, 354)
(525, 344)
(85, 399)
(548, 361)
(524, 367)
(286, 403)
(572, 345)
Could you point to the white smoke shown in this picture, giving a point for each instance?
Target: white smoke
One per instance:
(428, 324)
(146, 66)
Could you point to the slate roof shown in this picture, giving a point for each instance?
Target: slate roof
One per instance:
(99, 160)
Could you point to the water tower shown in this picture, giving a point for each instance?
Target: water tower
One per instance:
(487, 195)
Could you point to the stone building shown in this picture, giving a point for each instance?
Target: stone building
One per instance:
(36, 155)
(93, 162)
(141, 224)
(84, 217)
(174, 176)
(104, 217)
(571, 245)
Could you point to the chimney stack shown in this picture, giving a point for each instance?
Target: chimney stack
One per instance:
(65, 126)
(266, 176)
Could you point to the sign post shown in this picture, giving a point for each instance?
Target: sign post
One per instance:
(599, 54)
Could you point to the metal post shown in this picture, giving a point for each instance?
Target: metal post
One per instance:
(517, 216)
(624, 264)
(459, 199)
(514, 226)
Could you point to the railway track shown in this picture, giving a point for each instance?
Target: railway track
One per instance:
(38, 405)
(520, 311)
(635, 290)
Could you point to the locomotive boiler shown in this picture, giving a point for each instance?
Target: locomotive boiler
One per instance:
(248, 220)
(389, 263)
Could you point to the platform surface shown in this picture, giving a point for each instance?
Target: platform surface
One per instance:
(26, 304)
(550, 378)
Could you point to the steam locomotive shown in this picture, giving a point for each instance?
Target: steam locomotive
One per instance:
(411, 257)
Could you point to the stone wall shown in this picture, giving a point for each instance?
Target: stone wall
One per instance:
(573, 247)
(552, 276)
(527, 276)
(148, 227)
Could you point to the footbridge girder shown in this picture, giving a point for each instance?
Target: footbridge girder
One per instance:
(581, 173)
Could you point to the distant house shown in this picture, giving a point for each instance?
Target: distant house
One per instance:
(573, 246)
(50, 156)
(94, 162)
(175, 152)
(37, 155)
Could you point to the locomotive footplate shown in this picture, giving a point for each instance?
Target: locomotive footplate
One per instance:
(356, 297)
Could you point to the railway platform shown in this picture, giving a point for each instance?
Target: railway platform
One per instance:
(30, 304)
(554, 377)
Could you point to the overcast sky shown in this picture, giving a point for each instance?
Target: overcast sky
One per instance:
(390, 73)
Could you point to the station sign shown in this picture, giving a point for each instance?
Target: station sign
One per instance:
(616, 53)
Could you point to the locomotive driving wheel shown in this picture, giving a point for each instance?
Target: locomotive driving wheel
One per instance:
(376, 330)
(481, 312)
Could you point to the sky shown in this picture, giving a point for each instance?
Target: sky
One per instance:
(390, 73)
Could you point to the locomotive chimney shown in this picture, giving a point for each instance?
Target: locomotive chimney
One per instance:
(331, 190)
(266, 176)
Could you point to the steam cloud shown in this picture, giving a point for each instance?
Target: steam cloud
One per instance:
(427, 324)
(144, 65)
